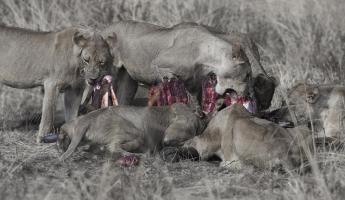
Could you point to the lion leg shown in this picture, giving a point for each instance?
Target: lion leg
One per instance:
(176, 154)
(124, 137)
(77, 135)
(72, 100)
(232, 162)
(133, 146)
(229, 157)
(233, 165)
(126, 87)
(49, 104)
(63, 140)
(332, 123)
(204, 148)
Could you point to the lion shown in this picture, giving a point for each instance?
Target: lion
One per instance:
(59, 61)
(238, 138)
(320, 106)
(132, 129)
(147, 53)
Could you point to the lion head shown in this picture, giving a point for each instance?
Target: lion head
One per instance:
(94, 56)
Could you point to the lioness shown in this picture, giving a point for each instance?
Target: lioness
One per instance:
(58, 61)
(238, 138)
(322, 106)
(190, 51)
(132, 129)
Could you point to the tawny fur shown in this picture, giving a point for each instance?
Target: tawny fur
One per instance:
(239, 138)
(188, 50)
(319, 105)
(132, 129)
(58, 61)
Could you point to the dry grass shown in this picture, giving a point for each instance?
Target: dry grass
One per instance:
(299, 40)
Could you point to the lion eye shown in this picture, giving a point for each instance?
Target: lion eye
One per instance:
(101, 62)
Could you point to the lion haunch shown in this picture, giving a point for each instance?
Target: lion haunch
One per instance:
(132, 129)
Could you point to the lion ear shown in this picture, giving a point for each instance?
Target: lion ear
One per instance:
(79, 39)
(111, 39)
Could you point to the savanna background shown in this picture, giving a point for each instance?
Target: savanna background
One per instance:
(299, 40)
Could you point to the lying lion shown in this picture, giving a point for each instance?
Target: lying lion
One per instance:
(132, 129)
(238, 138)
(323, 105)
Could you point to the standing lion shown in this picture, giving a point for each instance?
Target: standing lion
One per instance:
(59, 61)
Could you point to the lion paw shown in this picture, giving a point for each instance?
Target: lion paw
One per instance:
(39, 139)
(234, 165)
